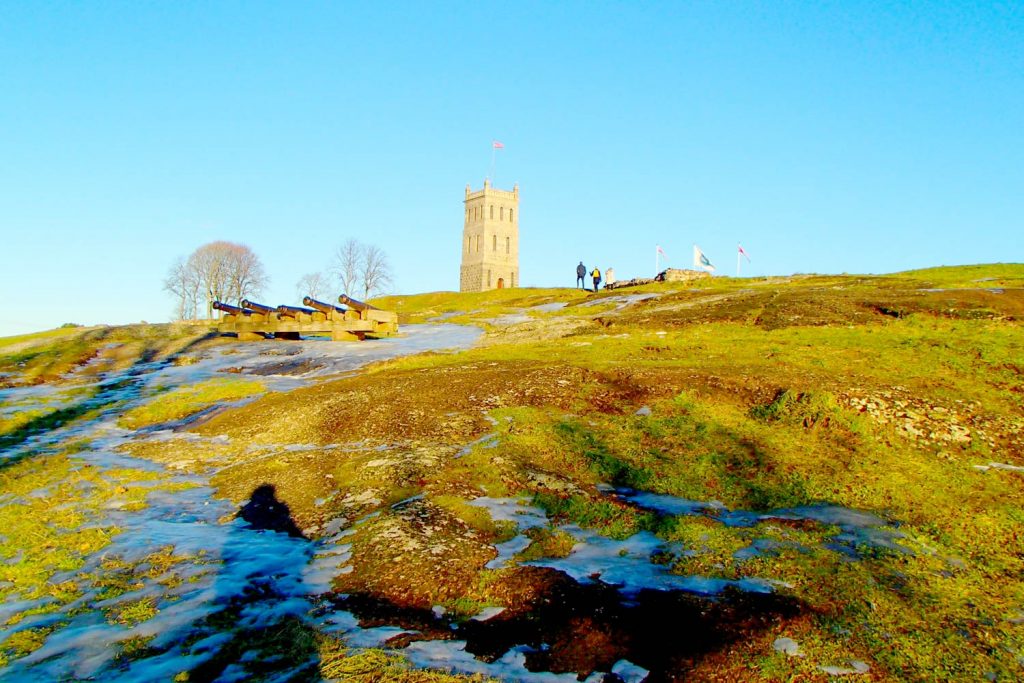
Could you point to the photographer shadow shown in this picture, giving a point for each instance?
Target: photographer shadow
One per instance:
(264, 604)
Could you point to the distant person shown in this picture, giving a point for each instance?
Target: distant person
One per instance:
(581, 273)
(597, 278)
(609, 277)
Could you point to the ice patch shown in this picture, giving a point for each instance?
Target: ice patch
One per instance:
(856, 667)
(512, 510)
(510, 319)
(445, 316)
(623, 300)
(549, 308)
(508, 550)
(857, 526)
(626, 564)
(488, 613)
(787, 646)
(1000, 466)
(374, 637)
(629, 672)
(485, 441)
(452, 655)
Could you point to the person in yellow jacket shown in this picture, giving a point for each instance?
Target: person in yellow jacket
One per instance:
(597, 278)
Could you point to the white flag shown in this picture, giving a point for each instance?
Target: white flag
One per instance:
(701, 261)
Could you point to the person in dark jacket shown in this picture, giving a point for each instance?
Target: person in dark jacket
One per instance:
(581, 274)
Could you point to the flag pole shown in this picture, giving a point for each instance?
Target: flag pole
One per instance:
(493, 153)
(656, 266)
(737, 260)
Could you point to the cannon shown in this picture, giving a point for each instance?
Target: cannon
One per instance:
(356, 305)
(321, 306)
(229, 309)
(294, 311)
(258, 308)
(252, 321)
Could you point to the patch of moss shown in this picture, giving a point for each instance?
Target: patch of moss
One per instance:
(546, 542)
(380, 666)
(23, 642)
(133, 612)
(184, 401)
(605, 516)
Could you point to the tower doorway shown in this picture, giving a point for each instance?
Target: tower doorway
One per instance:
(501, 283)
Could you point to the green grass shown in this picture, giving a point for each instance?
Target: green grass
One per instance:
(981, 275)
(184, 401)
(132, 613)
(50, 356)
(612, 520)
(477, 307)
(378, 666)
(46, 335)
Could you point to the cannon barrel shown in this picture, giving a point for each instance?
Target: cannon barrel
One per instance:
(259, 308)
(228, 308)
(294, 311)
(320, 305)
(356, 305)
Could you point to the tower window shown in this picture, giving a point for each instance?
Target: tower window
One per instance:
(492, 212)
(494, 243)
(478, 242)
(488, 277)
(501, 213)
(467, 245)
(510, 214)
(508, 245)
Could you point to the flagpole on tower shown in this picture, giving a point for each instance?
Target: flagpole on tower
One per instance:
(738, 253)
(495, 146)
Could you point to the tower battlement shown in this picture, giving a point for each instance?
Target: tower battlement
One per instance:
(494, 192)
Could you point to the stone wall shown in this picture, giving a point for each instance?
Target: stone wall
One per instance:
(682, 275)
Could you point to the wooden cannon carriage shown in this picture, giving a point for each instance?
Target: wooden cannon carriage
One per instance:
(253, 321)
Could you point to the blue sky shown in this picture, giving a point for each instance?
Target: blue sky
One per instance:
(826, 137)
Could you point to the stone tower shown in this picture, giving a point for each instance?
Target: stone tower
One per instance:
(490, 239)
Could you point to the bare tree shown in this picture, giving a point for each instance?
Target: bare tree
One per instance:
(347, 265)
(375, 271)
(316, 285)
(182, 283)
(218, 271)
(245, 274)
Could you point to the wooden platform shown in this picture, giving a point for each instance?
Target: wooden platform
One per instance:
(349, 325)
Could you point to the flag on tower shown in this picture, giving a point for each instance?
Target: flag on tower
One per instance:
(661, 251)
(700, 260)
(740, 247)
(497, 145)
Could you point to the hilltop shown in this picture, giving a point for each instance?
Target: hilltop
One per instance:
(804, 477)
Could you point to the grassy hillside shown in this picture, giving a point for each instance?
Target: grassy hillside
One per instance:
(841, 457)
(873, 393)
